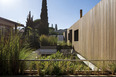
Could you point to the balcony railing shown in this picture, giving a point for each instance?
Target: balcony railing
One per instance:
(67, 67)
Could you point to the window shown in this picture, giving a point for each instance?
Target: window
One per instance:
(70, 35)
(76, 35)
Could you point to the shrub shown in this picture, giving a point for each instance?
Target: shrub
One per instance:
(33, 42)
(63, 43)
(48, 40)
(113, 67)
(43, 40)
(52, 40)
(31, 37)
(60, 67)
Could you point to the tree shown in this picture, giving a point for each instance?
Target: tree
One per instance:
(43, 28)
(37, 24)
(56, 28)
(52, 25)
(29, 24)
(30, 34)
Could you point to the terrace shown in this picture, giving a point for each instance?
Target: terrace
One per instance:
(62, 65)
(86, 49)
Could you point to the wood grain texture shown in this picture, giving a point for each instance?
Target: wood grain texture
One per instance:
(97, 32)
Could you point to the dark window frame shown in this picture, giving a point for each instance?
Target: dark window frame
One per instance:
(68, 36)
(70, 31)
(76, 35)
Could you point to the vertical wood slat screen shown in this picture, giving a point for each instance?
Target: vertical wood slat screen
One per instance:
(97, 32)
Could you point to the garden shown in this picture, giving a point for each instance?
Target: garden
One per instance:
(17, 56)
(14, 53)
(56, 65)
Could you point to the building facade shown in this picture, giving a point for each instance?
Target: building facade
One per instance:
(7, 25)
(94, 35)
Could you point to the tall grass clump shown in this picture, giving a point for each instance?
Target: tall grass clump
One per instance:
(11, 51)
(48, 40)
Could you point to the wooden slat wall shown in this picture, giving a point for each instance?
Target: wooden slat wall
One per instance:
(97, 32)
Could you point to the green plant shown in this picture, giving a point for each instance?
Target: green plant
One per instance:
(69, 44)
(112, 67)
(33, 42)
(52, 40)
(48, 40)
(11, 50)
(62, 43)
(43, 40)
(60, 67)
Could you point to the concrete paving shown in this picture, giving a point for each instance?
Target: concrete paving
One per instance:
(45, 51)
(92, 66)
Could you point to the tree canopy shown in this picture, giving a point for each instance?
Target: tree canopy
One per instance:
(43, 28)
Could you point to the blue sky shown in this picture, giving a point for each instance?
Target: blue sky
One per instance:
(64, 13)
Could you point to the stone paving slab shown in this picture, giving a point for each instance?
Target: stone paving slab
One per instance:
(46, 51)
